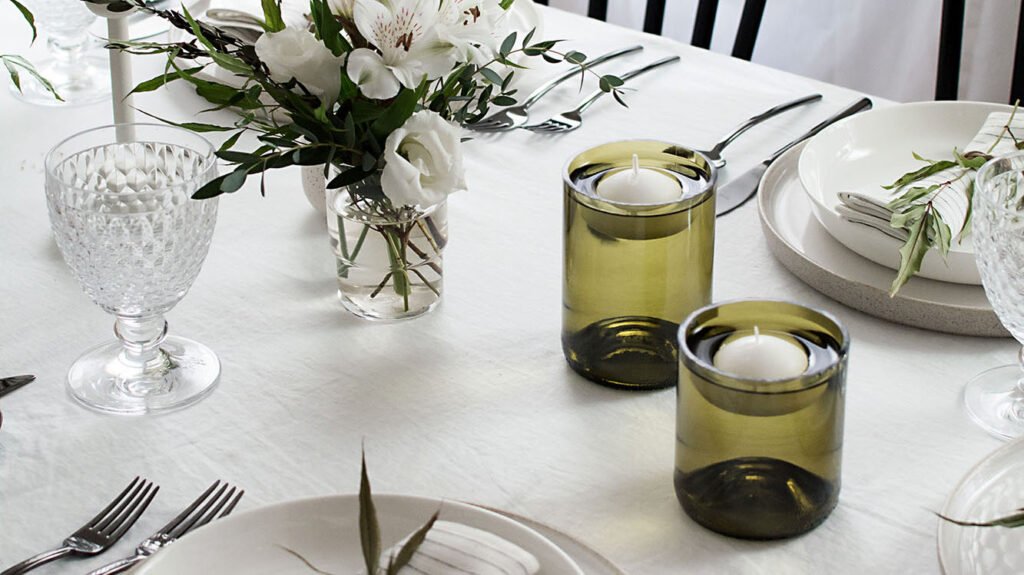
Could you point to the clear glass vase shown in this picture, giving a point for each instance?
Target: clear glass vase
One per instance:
(389, 261)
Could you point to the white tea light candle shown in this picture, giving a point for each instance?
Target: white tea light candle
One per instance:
(638, 185)
(761, 356)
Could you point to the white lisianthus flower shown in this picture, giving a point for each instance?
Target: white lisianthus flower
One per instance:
(296, 53)
(473, 28)
(408, 47)
(423, 161)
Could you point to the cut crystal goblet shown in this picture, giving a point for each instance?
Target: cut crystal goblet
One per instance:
(995, 398)
(120, 205)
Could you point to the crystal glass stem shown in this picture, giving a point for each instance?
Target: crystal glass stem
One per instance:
(141, 339)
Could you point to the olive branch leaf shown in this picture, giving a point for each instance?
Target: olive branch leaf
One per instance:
(914, 211)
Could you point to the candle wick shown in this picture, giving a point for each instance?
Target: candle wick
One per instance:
(636, 166)
(757, 335)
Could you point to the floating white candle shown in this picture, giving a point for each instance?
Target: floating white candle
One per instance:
(761, 356)
(638, 185)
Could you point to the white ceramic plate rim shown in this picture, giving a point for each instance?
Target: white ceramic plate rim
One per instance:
(526, 537)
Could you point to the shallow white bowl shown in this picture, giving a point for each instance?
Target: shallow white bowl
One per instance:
(325, 531)
(872, 149)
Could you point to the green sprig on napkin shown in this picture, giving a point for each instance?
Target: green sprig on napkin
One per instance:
(916, 208)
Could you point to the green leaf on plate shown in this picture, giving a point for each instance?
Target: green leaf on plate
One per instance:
(409, 549)
(369, 528)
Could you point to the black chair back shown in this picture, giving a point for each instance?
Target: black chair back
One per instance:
(951, 34)
(704, 24)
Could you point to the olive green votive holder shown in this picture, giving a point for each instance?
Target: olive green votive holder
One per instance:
(633, 271)
(760, 458)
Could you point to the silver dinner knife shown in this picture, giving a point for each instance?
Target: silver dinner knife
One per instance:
(738, 191)
(9, 384)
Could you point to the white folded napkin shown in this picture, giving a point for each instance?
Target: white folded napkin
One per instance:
(952, 203)
(456, 549)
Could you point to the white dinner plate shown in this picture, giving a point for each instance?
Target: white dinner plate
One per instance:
(798, 240)
(873, 149)
(325, 531)
(994, 488)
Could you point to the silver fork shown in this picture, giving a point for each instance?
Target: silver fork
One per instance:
(715, 153)
(101, 531)
(516, 116)
(569, 121)
(217, 505)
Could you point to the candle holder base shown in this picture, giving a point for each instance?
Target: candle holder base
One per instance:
(636, 353)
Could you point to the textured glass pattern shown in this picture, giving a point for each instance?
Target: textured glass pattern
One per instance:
(998, 232)
(125, 222)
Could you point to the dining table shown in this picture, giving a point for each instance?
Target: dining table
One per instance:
(473, 402)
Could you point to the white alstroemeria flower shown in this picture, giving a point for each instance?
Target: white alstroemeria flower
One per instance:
(473, 28)
(408, 48)
(342, 8)
(296, 53)
(423, 161)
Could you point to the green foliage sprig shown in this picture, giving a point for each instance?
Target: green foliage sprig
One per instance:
(924, 225)
(369, 535)
(293, 127)
(16, 65)
(1010, 521)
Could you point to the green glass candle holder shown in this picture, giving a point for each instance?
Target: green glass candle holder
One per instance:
(760, 458)
(633, 271)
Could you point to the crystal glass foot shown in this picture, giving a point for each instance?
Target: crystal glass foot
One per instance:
(120, 206)
(995, 398)
(77, 66)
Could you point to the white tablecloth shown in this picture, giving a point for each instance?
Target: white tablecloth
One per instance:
(473, 402)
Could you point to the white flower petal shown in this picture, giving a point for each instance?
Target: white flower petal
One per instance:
(423, 161)
(375, 80)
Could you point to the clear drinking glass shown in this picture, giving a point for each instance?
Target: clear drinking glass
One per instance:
(120, 206)
(76, 66)
(995, 398)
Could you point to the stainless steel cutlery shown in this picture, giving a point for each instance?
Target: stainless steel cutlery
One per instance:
(9, 384)
(216, 502)
(738, 191)
(517, 116)
(569, 121)
(715, 153)
(101, 531)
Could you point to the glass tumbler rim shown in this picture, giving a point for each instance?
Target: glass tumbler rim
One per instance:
(801, 382)
(642, 210)
(205, 147)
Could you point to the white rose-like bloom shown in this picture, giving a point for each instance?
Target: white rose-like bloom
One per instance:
(296, 53)
(423, 161)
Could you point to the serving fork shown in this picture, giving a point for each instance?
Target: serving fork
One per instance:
(213, 504)
(517, 116)
(569, 121)
(101, 531)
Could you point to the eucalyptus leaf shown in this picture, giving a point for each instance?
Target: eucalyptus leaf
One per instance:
(913, 251)
(369, 528)
(409, 548)
(27, 15)
(1010, 521)
(911, 177)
